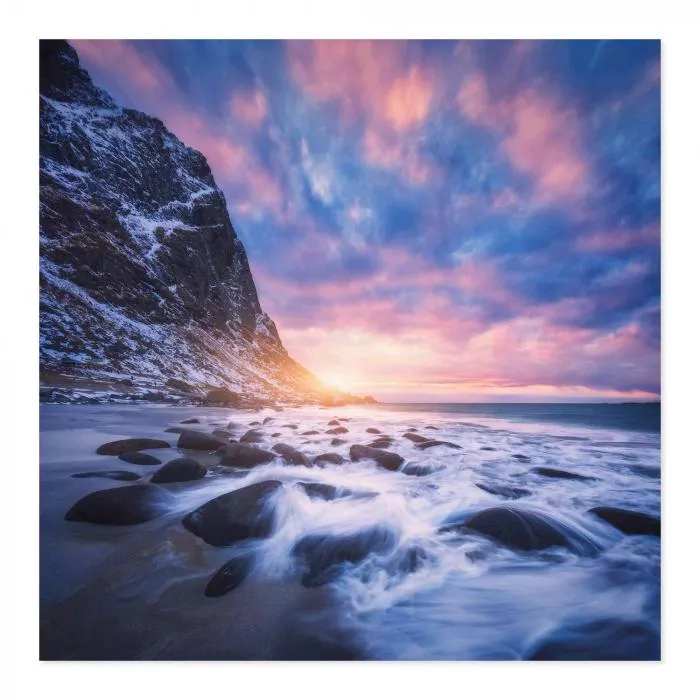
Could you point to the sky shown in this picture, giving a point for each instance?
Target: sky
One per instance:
(432, 221)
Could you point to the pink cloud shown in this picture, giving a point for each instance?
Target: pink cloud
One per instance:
(619, 240)
(407, 103)
(249, 107)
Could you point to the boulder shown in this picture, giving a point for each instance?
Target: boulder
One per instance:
(630, 522)
(189, 421)
(253, 436)
(234, 516)
(267, 420)
(430, 427)
(179, 431)
(128, 505)
(224, 435)
(388, 460)
(311, 432)
(525, 530)
(290, 425)
(381, 443)
(333, 422)
(413, 437)
(561, 474)
(505, 491)
(181, 469)
(487, 449)
(255, 422)
(521, 458)
(335, 442)
(337, 431)
(115, 474)
(238, 454)
(118, 446)
(222, 397)
(291, 455)
(416, 470)
(229, 576)
(324, 556)
(315, 490)
(140, 458)
(374, 431)
(328, 458)
(436, 443)
(193, 440)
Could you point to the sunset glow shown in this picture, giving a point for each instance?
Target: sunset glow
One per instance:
(433, 221)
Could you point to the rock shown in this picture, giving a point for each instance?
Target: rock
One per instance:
(388, 460)
(311, 432)
(224, 435)
(436, 443)
(267, 420)
(381, 443)
(505, 491)
(140, 458)
(411, 430)
(337, 431)
(630, 522)
(411, 560)
(525, 530)
(430, 427)
(128, 505)
(222, 397)
(344, 420)
(276, 435)
(328, 458)
(374, 431)
(255, 422)
(607, 639)
(229, 576)
(324, 555)
(522, 458)
(181, 469)
(315, 490)
(291, 455)
(415, 438)
(234, 516)
(290, 425)
(488, 449)
(116, 474)
(188, 421)
(179, 431)
(561, 474)
(253, 436)
(193, 440)
(335, 442)
(241, 455)
(416, 470)
(333, 422)
(133, 444)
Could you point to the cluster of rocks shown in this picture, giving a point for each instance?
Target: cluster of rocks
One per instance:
(247, 513)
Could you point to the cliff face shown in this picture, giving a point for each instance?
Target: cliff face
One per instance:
(142, 274)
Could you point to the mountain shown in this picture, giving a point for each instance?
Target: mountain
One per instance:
(144, 281)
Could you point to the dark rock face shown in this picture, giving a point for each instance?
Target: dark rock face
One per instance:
(436, 443)
(182, 469)
(234, 516)
(599, 640)
(337, 431)
(413, 437)
(229, 576)
(141, 458)
(139, 260)
(561, 474)
(245, 456)
(291, 455)
(119, 446)
(128, 505)
(115, 474)
(192, 440)
(253, 436)
(629, 521)
(525, 530)
(328, 458)
(325, 555)
(388, 460)
(512, 492)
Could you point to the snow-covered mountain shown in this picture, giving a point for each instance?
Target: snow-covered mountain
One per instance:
(142, 275)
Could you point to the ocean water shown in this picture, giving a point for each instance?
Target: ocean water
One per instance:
(423, 590)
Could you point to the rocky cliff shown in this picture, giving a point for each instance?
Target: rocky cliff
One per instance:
(143, 278)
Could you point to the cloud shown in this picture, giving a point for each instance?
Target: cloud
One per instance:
(249, 107)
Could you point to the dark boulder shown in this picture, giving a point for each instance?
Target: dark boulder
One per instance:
(430, 427)
(381, 443)
(315, 490)
(193, 440)
(247, 456)
(436, 443)
(179, 431)
(222, 397)
(388, 460)
(335, 442)
(337, 431)
(267, 420)
(291, 455)
(128, 505)
(311, 432)
(630, 522)
(140, 458)
(413, 437)
(487, 449)
(234, 516)
(325, 556)
(333, 422)
(189, 421)
(132, 444)
(253, 436)
(255, 422)
(374, 431)
(525, 530)
(522, 458)
(115, 474)
(229, 576)
(181, 469)
(416, 470)
(561, 474)
(290, 425)
(505, 491)
(328, 458)
(224, 435)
